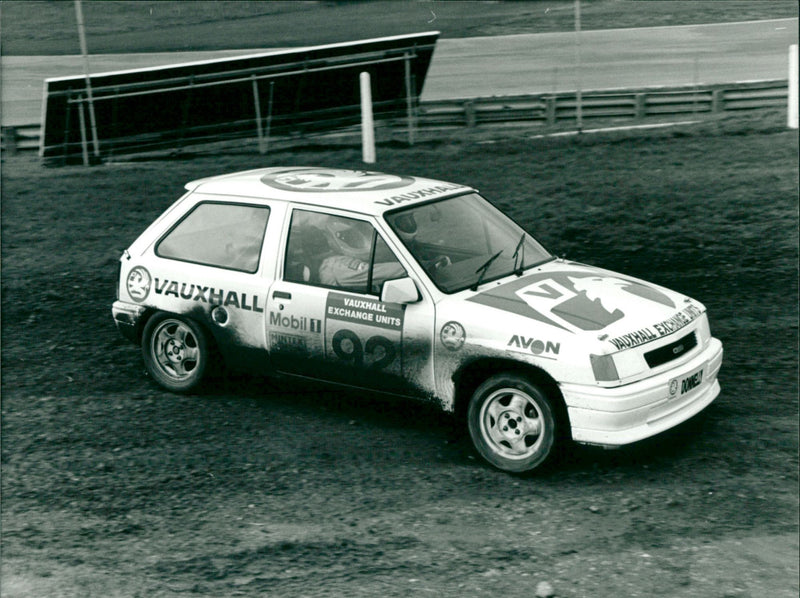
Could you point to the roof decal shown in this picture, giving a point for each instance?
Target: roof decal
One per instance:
(330, 180)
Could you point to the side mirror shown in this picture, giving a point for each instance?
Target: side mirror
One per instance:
(400, 290)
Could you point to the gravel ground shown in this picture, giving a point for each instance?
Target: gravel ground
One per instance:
(111, 487)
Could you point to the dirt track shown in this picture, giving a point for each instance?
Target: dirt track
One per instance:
(114, 488)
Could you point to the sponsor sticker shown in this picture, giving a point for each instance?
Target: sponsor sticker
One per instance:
(682, 386)
(419, 194)
(138, 283)
(281, 340)
(691, 382)
(364, 333)
(453, 336)
(656, 331)
(364, 311)
(297, 323)
(206, 294)
(536, 346)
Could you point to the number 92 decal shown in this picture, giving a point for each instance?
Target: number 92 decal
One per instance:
(378, 352)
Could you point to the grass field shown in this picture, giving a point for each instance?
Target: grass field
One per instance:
(50, 27)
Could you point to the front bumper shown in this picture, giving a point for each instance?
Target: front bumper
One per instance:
(618, 416)
(127, 317)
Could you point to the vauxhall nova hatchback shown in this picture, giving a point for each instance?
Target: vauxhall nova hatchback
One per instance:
(419, 288)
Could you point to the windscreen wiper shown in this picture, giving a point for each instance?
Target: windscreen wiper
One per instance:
(519, 251)
(484, 268)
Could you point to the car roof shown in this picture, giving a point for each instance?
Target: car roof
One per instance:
(362, 191)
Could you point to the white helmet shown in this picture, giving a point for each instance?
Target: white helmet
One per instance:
(406, 226)
(349, 238)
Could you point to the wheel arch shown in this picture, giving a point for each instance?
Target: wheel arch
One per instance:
(473, 374)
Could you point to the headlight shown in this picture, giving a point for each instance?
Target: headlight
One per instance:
(604, 368)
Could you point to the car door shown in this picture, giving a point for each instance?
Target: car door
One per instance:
(325, 318)
(209, 266)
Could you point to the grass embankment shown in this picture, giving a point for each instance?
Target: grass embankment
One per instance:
(50, 28)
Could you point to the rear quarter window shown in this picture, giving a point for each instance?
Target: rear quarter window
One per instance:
(223, 235)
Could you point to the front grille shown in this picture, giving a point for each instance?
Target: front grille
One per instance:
(671, 351)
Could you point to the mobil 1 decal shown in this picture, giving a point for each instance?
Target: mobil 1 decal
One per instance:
(364, 333)
(294, 336)
(573, 300)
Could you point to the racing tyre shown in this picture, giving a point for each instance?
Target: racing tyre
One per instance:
(512, 423)
(176, 352)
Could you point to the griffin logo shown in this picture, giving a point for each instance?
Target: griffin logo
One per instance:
(138, 284)
(326, 180)
(573, 300)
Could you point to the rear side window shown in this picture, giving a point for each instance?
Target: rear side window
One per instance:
(218, 234)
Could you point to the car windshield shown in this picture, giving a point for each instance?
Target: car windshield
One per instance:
(464, 241)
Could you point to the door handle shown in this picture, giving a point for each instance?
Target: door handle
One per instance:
(281, 295)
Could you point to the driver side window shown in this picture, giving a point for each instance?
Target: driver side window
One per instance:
(339, 253)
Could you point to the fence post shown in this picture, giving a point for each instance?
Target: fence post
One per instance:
(792, 106)
(550, 110)
(718, 100)
(84, 145)
(469, 113)
(409, 99)
(10, 140)
(88, 79)
(185, 118)
(641, 106)
(257, 103)
(578, 68)
(269, 115)
(67, 118)
(367, 126)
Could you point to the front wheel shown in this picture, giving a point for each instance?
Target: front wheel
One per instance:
(176, 352)
(512, 423)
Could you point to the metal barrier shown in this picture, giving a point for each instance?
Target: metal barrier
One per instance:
(548, 109)
(20, 137)
(636, 104)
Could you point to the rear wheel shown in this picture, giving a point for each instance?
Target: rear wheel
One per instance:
(176, 352)
(512, 423)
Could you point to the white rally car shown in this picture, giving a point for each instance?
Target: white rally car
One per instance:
(419, 288)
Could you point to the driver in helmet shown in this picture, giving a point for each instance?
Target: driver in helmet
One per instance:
(348, 266)
(405, 225)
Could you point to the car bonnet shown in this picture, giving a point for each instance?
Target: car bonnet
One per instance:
(579, 299)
